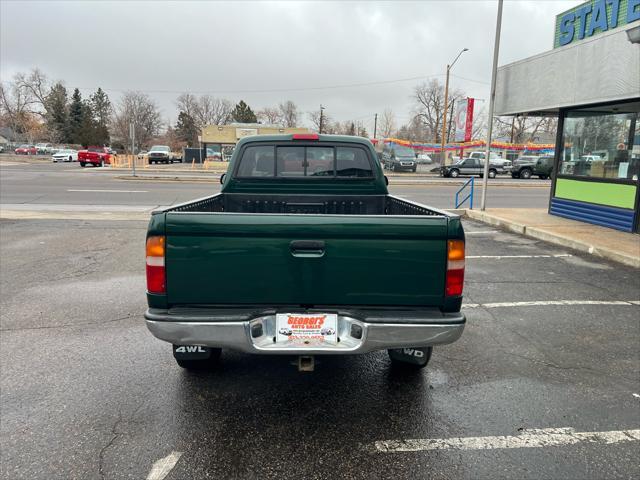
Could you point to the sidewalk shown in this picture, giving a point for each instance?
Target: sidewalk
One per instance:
(603, 242)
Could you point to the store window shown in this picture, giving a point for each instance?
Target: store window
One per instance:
(601, 142)
(214, 152)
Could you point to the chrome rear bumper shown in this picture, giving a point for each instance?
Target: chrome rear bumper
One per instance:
(256, 335)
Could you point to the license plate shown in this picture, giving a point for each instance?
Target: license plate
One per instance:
(307, 330)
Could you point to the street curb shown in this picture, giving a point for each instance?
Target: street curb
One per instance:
(554, 238)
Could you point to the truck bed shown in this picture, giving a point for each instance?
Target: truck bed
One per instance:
(305, 204)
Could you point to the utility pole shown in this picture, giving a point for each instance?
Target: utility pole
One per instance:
(487, 159)
(375, 126)
(444, 117)
(132, 134)
(321, 118)
(453, 102)
(446, 104)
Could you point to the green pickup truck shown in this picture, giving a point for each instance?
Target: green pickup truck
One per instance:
(304, 252)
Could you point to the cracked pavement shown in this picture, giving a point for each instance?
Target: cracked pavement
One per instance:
(86, 392)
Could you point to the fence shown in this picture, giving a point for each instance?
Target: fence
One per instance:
(126, 161)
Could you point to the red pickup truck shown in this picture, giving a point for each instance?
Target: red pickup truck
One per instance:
(96, 156)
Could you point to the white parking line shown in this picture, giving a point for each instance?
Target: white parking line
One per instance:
(499, 257)
(162, 467)
(536, 438)
(109, 191)
(542, 303)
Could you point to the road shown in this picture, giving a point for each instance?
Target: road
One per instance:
(86, 392)
(544, 383)
(60, 184)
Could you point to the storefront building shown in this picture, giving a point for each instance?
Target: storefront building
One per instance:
(218, 141)
(591, 82)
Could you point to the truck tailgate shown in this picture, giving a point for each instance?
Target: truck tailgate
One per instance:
(246, 259)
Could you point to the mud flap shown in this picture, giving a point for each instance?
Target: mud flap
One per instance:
(412, 356)
(191, 352)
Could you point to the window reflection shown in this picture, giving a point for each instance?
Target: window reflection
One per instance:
(601, 144)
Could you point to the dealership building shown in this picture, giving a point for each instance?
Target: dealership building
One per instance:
(590, 80)
(218, 141)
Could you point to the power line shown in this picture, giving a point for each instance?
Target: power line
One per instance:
(276, 90)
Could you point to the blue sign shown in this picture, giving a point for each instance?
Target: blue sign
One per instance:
(595, 16)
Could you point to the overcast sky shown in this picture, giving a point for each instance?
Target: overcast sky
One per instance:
(268, 52)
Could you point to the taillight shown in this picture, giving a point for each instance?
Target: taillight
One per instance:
(305, 136)
(156, 278)
(455, 268)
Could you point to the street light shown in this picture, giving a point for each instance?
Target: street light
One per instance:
(446, 103)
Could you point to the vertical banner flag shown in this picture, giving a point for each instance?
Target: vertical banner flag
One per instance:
(468, 127)
(464, 120)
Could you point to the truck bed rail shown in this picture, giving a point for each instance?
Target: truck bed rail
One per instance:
(308, 204)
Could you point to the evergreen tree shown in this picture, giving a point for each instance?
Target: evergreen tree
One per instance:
(57, 117)
(186, 129)
(242, 113)
(101, 113)
(74, 125)
(88, 133)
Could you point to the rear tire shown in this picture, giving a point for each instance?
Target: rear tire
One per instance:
(525, 174)
(101, 163)
(543, 177)
(200, 365)
(410, 358)
(82, 164)
(492, 173)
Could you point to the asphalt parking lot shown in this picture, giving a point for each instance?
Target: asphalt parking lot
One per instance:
(86, 392)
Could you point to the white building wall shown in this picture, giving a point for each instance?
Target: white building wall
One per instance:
(599, 69)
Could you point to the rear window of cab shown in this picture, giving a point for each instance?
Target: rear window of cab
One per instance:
(293, 161)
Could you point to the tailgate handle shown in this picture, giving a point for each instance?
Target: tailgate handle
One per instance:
(307, 248)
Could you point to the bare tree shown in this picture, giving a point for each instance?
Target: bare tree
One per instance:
(429, 106)
(288, 114)
(327, 123)
(36, 86)
(188, 103)
(139, 109)
(525, 129)
(269, 115)
(213, 111)
(17, 105)
(387, 123)
(205, 110)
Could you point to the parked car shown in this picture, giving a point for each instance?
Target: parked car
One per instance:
(397, 158)
(470, 166)
(65, 155)
(423, 158)
(494, 159)
(96, 156)
(44, 148)
(142, 154)
(162, 154)
(1, 149)
(288, 241)
(527, 166)
(26, 150)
